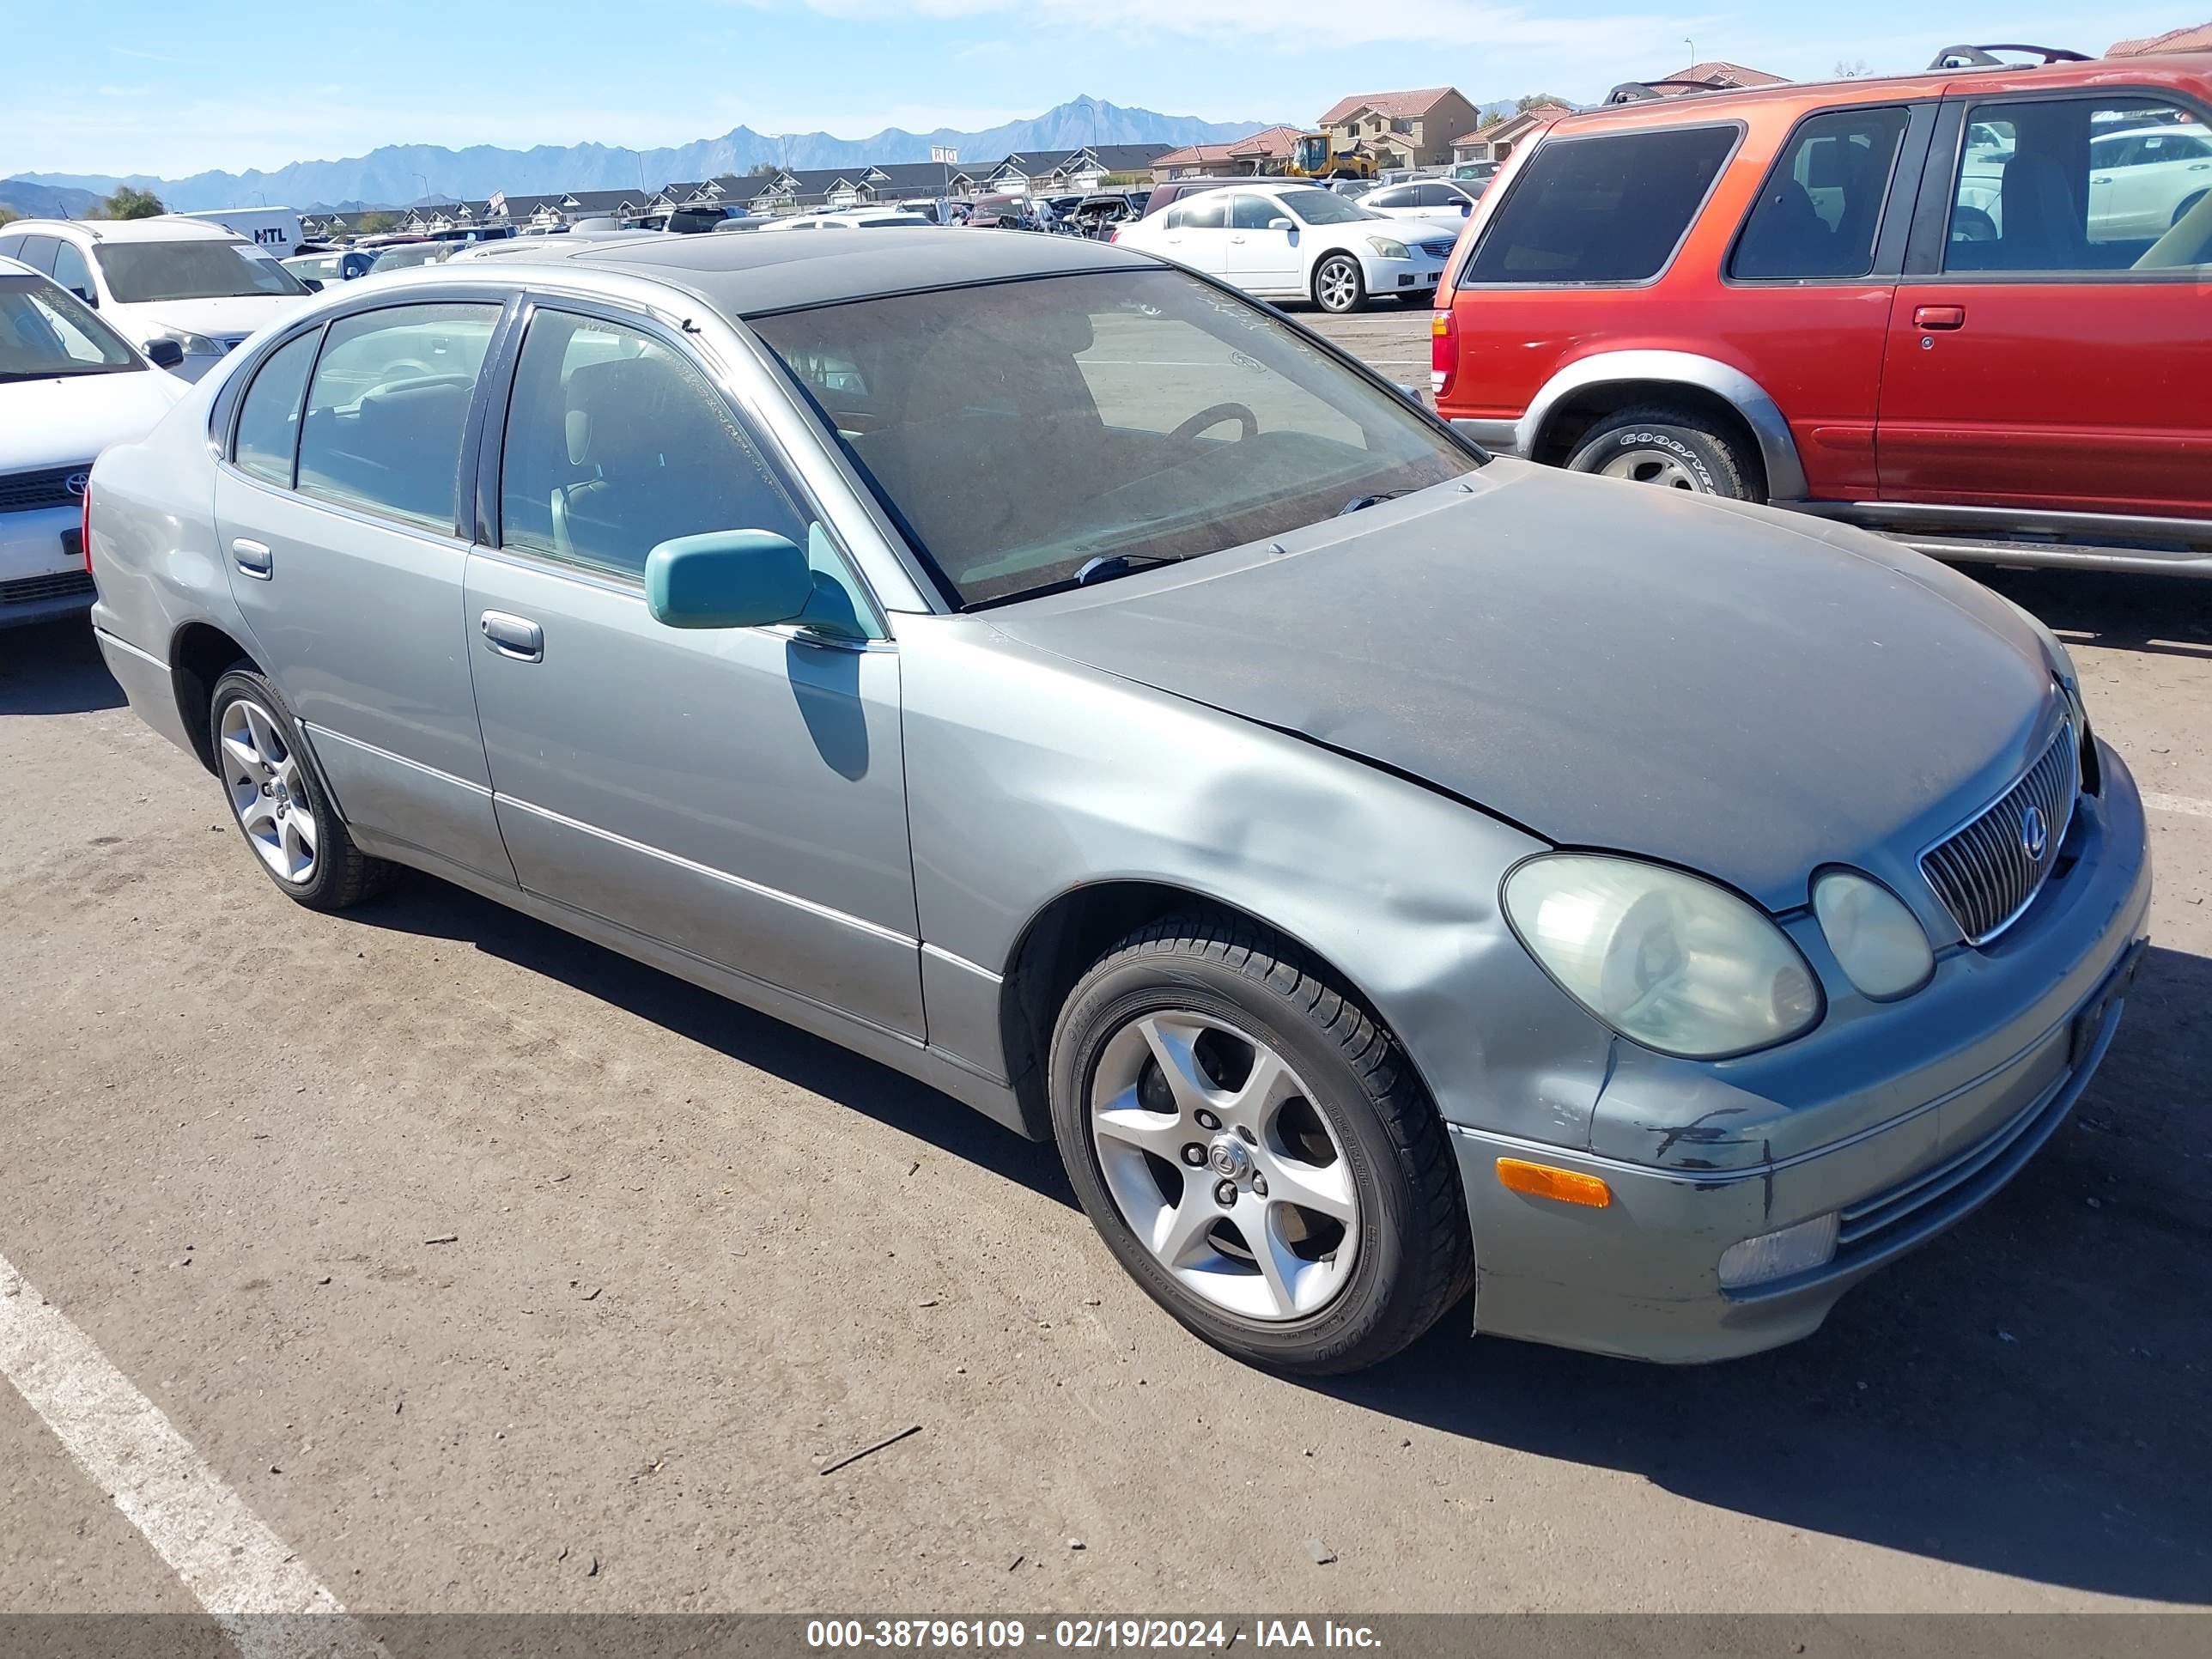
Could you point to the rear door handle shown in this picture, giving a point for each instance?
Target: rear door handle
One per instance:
(1939, 317)
(514, 636)
(253, 558)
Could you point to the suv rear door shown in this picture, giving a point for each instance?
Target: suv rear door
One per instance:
(2045, 349)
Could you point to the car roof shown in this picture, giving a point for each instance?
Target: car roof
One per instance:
(752, 276)
(162, 227)
(2191, 71)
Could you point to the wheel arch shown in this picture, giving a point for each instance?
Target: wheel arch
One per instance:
(1073, 930)
(1587, 391)
(200, 653)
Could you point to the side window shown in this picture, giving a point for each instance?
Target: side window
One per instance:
(1253, 213)
(1396, 196)
(1209, 211)
(1819, 210)
(2080, 185)
(71, 271)
(614, 444)
(388, 407)
(269, 416)
(1177, 217)
(1605, 210)
(1429, 195)
(11, 247)
(39, 253)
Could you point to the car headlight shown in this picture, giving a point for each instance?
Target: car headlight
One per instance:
(1782, 1255)
(1389, 249)
(1674, 963)
(1878, 943)
(191, 344)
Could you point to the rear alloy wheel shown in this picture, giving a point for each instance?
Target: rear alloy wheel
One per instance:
(1673, 448)
(1339, 284)
(276, 801)
(1257, 1151)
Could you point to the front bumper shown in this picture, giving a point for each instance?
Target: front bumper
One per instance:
(42, 573)
(1417, 275)
(1640, 1277)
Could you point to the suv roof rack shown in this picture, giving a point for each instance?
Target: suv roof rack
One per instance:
(1956, 57)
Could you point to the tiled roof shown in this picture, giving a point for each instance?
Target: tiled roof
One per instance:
(2198, 39)
(1388, 103)
(1719, 75)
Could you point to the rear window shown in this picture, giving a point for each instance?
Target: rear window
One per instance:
(1605, 210)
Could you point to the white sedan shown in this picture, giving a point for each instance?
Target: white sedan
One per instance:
(1423, 198)
(844, 219)
(70, 387)
(1284, 241)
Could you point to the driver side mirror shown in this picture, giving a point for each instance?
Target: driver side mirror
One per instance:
(1280, 224)
(727, 579)
(164, 353)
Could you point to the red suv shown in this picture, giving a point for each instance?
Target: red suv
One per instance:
(1972, 308)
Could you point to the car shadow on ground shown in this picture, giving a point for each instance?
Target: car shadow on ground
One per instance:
(54, 668)
(2160, 616)
(421, 904)
(2027, 1395)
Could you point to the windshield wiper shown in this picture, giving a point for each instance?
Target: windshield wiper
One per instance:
(1111, 565)
(1359, 501)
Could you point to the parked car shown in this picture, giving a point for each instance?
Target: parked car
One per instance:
(1166, 195)
(405, 256)
(1004, 210)
(70, 387)
(1423, 198)
(1288, 239)
(1097, 214)
(330, 266)
(195, 284)
(1477, 174)
(697, 613)
(849, 219)
(1964, 307)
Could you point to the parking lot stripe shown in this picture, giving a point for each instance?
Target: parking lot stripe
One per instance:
(240, 1571)
(2187, 805)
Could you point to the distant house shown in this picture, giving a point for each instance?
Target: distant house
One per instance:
(1400, 128)
(1495, 141)
(1047, 172)
(2198, 39)
(1265, 151)
(1714, 76)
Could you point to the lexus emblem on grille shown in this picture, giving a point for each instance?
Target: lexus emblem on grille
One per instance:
(2034, 833)
(78, 483)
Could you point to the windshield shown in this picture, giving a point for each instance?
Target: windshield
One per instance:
(45, 331)
(413, 253)
(140, 271)
(1172, 420)
(1323, 207)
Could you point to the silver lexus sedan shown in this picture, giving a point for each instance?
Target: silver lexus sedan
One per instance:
(1649, 914)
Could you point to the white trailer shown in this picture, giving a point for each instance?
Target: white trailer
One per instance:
(276, 229)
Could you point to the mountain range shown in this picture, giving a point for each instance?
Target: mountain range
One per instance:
(396, 175)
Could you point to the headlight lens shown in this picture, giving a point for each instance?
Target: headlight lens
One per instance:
(1676, 963)
(1387, 248)
(191, 344)
(1877, 941)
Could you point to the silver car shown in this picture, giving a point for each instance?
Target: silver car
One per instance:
(1648, 914)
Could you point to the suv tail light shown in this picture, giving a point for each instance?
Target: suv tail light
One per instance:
(1443, 352)
(84, 529)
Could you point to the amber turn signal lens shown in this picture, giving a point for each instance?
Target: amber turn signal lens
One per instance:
(1542, 1181)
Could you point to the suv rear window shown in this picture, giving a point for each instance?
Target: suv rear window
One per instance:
(1604, 209)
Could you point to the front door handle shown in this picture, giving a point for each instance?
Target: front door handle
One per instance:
(514, 636)
(254, 558)
(1933, 317)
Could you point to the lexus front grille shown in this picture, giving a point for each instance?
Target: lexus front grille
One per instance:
(1989, 871)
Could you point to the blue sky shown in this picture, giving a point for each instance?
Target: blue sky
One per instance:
(176, 86)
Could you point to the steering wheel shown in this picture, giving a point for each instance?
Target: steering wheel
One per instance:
(1214, 416)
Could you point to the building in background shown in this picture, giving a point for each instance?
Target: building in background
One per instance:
(1400, 128)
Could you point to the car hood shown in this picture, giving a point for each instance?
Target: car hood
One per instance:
(72, 417)
(1738, 690)
(239, 314)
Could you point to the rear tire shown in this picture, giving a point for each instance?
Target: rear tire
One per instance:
(1672, 447)
(277, 801)
(1306, 1088)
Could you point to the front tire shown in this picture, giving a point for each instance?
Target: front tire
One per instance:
(1255, 1149)
(295, 835)
(1339, 286)
(1674, 448)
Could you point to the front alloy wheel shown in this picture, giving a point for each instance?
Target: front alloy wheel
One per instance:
(1340, 285)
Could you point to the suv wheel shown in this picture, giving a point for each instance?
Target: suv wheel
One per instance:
(1254, 1149)
(1671, 447)
(1339, 284)
(277, 803)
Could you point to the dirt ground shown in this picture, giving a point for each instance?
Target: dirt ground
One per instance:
(696, 1256)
